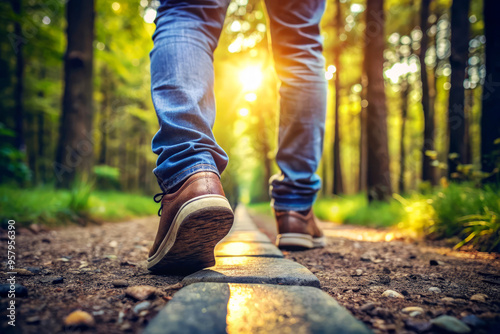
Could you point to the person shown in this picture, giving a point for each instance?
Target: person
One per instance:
(195, 215)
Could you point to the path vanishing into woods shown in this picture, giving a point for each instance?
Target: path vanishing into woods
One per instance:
(94, 279)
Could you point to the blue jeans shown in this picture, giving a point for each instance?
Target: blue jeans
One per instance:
(182, 80)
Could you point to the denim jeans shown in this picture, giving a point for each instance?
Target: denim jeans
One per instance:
(182, 80)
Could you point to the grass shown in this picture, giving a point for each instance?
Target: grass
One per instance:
(460, 211)
(354, 209)
(54, 207)
(351, 209)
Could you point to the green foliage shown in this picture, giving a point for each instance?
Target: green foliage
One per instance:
(355, 209)
(55, 207)
(456, 210)
(79, 198)
(12, 166)
(107, 177)
(114, 206)
(469, 212)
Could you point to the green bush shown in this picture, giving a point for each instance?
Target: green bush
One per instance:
(13, 169)
(107, 177)
(53, 207)
(354, 209)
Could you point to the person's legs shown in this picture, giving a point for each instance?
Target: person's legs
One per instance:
(182, 79)
(195, 214)
(297, 49)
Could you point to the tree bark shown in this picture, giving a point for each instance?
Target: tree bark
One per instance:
(379, 178)
(458, 60)
(428, 170)
(338, 186)
(490, 128)
(103, 128)
(74, 156)
(19, 87)
(402, 149)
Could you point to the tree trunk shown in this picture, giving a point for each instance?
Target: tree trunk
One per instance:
(363, 150)
(379, 178)
(490, 128)
(74, 156)
(458, 60)
(404, 116)
(105, 89)
(428, 170)
(19, 87)
(338, 187)
(41, 146)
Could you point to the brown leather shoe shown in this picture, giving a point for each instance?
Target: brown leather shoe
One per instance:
(193, 220)
(298, 231)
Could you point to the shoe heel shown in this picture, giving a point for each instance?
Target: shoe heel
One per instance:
(294, 240)
(197, 228)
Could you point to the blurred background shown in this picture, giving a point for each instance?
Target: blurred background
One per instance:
(412, 132)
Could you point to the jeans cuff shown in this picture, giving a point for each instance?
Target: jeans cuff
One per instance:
(292, 205)
(173, 181)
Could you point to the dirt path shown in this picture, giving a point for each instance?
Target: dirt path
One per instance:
(89, 268)
(358, 265)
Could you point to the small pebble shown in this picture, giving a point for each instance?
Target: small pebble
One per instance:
(79, 318)
(34, 270)
(367, 307)
(434, 289)
(33, 320)
(417, 326)
(473, 321)
(479, 297)
(410, 309)
(415, 314)
(358, 272)
(19, 290)
(22, 272)
(392, 294)
(141, 307)
(450, 324)
(140, 292)
(120, 283)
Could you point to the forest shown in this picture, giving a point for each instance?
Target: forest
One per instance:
(413, 122)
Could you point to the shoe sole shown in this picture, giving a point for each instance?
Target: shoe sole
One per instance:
(190, 242)
(299, 241)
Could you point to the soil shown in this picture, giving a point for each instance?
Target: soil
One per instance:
(358, 265)
(81, 268)
(89, 259)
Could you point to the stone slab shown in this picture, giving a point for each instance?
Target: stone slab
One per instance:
(253, 308)
(246, 236)
(236, 248)
(242, 220)
(265, 270)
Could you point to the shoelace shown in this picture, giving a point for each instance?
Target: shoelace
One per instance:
(157, 198)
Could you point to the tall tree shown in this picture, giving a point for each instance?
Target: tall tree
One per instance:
(338, 186)
(19, 87)
(490, 128)
(458, 61)
(378, 178)
(75, 146)
(405, 90)
(428, 170)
